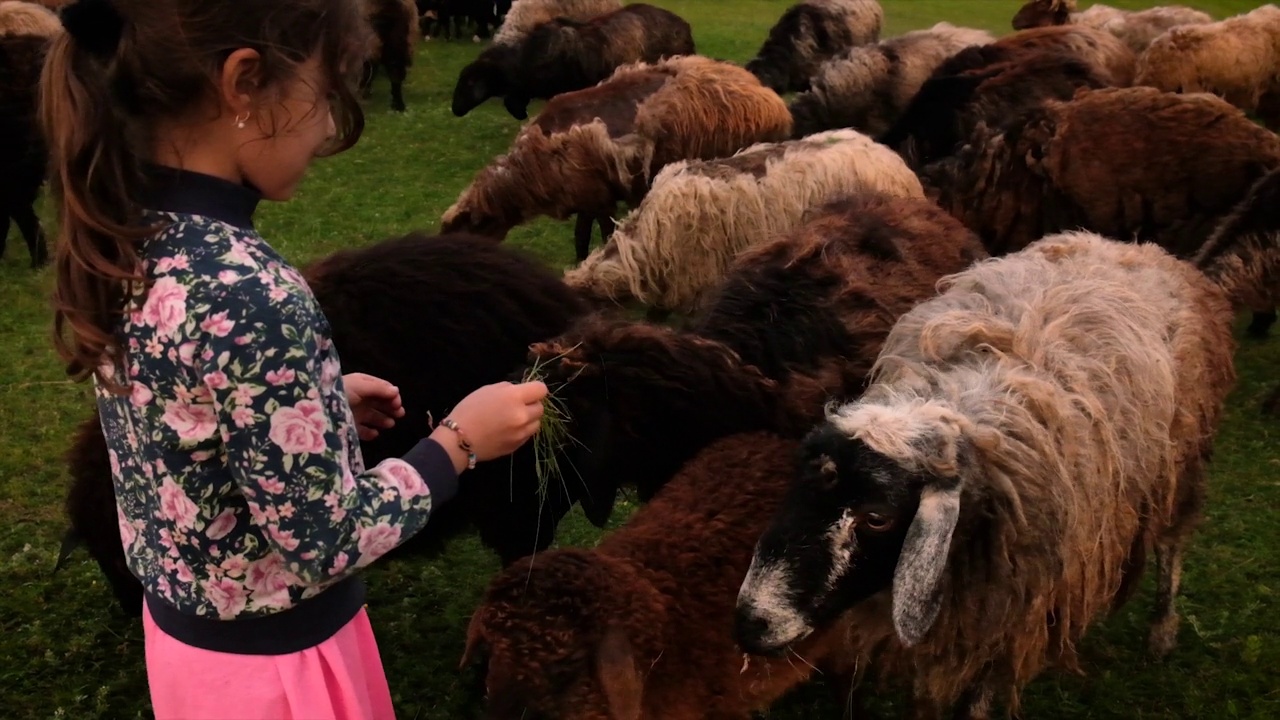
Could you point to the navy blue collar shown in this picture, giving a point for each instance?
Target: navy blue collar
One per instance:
(191, 193)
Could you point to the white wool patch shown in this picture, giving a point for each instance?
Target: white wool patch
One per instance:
(842, 543)
(766, 595)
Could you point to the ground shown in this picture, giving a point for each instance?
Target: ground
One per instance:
(65, 651)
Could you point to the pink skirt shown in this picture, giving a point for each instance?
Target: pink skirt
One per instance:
(339, 679)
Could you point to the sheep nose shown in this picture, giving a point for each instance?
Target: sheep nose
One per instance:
(749, 630)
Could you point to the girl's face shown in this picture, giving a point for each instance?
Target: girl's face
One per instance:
(285, 136)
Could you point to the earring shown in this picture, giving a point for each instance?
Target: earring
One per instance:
(240, 120)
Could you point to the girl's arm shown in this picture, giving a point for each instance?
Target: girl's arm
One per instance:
(288, 434)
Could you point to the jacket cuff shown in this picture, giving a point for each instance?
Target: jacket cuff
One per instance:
(435, 466)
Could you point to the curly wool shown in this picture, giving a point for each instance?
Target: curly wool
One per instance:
(525, 15)
(1136, 28)
(809, 33)
(18, 17)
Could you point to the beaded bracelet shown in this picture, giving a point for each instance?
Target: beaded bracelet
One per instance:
(462, 442)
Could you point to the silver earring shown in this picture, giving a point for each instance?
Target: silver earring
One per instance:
(240, 121)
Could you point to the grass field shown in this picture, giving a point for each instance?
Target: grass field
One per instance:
(65, 651)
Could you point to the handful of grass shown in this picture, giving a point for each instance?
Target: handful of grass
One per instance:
(553, 430)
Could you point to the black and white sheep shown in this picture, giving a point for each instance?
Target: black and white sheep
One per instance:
(867, 88)
(563, 55)
(809, 33)
(1031, 434)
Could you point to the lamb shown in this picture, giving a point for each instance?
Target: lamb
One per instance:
(869, 87)
(988, 85)
(564, 55)
(1235, 59)
(809, 33)
(1029, 435)
(490, 74)
(641, 625)
(1096, 47)
(677, 245)
(590, 149)
(389, 304)
(643, 399)
(1124, 162)
(24, 155)
(1136, 28)
(392, 44)
(18, 17)
(1244, 249)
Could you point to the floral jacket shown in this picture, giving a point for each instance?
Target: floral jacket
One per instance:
(238, 476)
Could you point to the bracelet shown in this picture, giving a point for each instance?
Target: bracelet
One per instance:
(462, 442)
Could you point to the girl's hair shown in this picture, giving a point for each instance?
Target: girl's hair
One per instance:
(121, 67)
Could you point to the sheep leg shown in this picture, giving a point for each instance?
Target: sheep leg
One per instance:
(366, 79)
(29, 224)
(1262, 322)
(1164, 626)
(608, 225)
(582, 235)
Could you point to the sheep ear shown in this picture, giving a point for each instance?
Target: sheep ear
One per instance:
(616, 668)
(916, 601)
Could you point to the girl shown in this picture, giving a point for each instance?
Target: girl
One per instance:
(243, 504)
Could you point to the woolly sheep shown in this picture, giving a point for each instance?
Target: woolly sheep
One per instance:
(640, 626)
(1096, 47)
(809, 33)
(1030, 433)
(24, 154)
(391, 46)
(1245, 249)
(590, 149)
(565, 55)
(1235, 59)
(18, 17)
(869, 87)
(1136, 28)
(678, 243)
(489, 75)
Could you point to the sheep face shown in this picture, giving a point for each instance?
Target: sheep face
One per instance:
(553, 639)
(461, 218)
(1040, 13)
(479, 81)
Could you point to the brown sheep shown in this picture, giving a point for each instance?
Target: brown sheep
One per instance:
(1097, 47)
(641, 626)
(1252, 274)
(1136, 28)
(590, 149)
(810, 33)
(19, 17)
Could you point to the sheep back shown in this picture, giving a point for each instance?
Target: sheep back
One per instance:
(1098, 47)
(699, 214)
(395, 31)
(18, 17)
(868, 87)
(525, 15)
(1139, 28)
(810, 32)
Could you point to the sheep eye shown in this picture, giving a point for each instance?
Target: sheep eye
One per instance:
(876, 522)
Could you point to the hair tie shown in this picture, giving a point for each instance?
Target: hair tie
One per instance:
(95, 25)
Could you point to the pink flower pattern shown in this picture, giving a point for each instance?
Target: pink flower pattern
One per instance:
(240, 484)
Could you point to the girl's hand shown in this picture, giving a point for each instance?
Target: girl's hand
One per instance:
(495, 419)
(374, 402)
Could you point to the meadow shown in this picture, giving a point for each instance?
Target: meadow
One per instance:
(66, 651)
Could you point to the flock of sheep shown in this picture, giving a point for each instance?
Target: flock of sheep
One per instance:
(955, 343)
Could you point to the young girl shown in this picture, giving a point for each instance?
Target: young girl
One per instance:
(243, 504)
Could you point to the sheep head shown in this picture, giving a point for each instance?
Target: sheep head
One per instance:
(874, 506)
(642, 400)
(1039, 13)
(478, 210)
(484, 78)
(566, 635)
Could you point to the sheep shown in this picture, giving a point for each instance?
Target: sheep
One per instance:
(699, 214)
(24, 155)
(19, 17)
(809, 33)
(1125, 162)
(389, 304)
(489, 75)
(642, 399)
(1096, 47)
(391, 45)
(869, 87)
(450, 16)
(1136, 28)
(590, 149)
(563, 55)
(1030, 434)
(986, 84)
(1235, 59)
(640, 626)
(1255, 275)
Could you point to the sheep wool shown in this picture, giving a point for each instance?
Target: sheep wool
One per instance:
(1096, 47)
(809, 33)
(525, 15)
(1137, 28)
(18, 17)
(700, 214)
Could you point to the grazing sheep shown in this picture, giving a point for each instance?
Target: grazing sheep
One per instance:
(796, 321)
(641, 626)
(395, 36)
(1245, 248)
(1030, 435)
(24, 155)
(590, 149)
(1136, 28)
(988, 85)
(678, 244)
(809, 33)
(1096, 47)
(869, 87)
(1129, 163)
(18, 17)
(563, 55)
(1235, 59)
(490, 74)
(389, 304)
